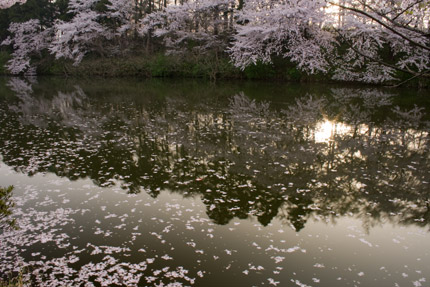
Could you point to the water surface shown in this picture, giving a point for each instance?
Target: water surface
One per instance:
(184, 183)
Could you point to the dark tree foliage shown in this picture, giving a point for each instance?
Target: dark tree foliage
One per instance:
(42, 10)
(4, 23)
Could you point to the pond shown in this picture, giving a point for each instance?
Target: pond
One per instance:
(187, 183)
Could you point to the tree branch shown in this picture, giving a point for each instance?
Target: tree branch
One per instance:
(377, 60)
(423, 74)
(382, 24)
(406, 9)
(393, 20)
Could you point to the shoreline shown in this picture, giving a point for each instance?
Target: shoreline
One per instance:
(165, 66)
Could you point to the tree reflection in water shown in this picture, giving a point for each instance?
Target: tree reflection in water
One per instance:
(348, 152)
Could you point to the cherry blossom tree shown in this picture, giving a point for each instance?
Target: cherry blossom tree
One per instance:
(373, 42)
(384, 39)
(201, 30)
(86, 31)
(27, 39)
(291, 29)
(4, 4)
(121, 12)
(75, 38)
(370, 41)
(200, 25)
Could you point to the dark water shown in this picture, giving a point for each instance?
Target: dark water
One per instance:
(182, 183)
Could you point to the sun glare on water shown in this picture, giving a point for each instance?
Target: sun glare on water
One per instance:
(326, 130)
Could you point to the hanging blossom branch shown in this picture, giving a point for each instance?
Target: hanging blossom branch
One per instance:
(291, 30)
(28, 39)
(368, 33)
(398, 14)
(383, 24)
(424, 74)
(306, 33)
(373, 59)
(78, 36)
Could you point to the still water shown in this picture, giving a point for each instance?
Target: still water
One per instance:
(183, 183)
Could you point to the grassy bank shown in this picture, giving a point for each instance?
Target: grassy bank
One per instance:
(161, 65)
(155, 65)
